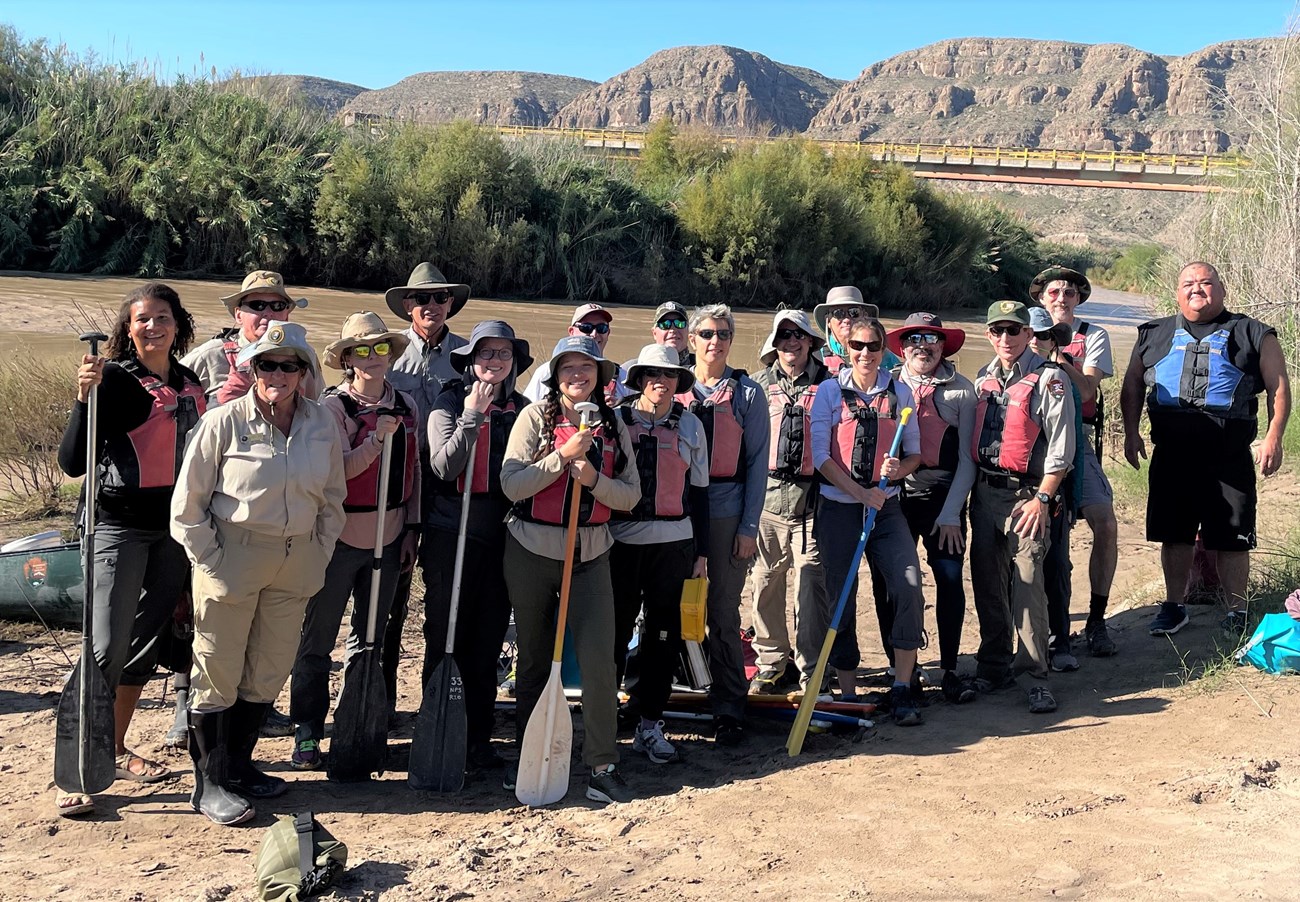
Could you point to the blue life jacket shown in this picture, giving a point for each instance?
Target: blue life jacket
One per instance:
(1199, 376)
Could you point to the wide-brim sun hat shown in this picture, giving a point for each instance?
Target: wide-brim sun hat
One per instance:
(1060, 274)
(953, 339)
(426, 277)
(362, 329)
(842, 296)
(281, 336)
(261, 281)
(796, 318)
(1041, 322)
(462, 357)
(659, 357)
(586, 346)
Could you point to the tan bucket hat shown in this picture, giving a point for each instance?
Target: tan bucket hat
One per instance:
(362, 329)
(426, 277)
(796, 318)
(261, 281)
(659, 357)
(843, 296)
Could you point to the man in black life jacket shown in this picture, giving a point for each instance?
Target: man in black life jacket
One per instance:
(1086, 359)
(1023, 445)
(1202, 371)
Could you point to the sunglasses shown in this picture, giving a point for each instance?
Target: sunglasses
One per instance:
(787, 334)
(262, 306)
(672, 323)
(651, 373)
(424, 297)
(379, 348)
(921, 339)
(707, 334)
(846, 313)
(1062, 292)
(596, 328)
(872, 347)
(494, 354)
(273, 366)
(1011, 329)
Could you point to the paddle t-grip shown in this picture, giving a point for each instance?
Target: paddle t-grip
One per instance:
(93, 339)
(588, 414)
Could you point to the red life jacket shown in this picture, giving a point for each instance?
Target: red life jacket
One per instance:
(862, 437)
(551, 504)
(664, 471)
(149, 456)
(1006, 438)
(490, 448)
(790, 447)
(1092, 410)
(939, 442)
(834, 363)
(722, 428)
(363, 489)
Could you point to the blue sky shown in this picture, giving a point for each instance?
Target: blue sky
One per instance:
(375, 43)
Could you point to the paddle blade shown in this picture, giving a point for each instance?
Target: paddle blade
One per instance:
(799, 729)
(359, 744)
(438, 749)
(83, 739)
(548, 744)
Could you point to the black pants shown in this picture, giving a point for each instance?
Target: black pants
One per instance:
(650, 575)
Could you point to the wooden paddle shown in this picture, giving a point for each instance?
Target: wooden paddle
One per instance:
(548, 739)
(439, 745)
(83, 728)
(359, 744)
(794, 745)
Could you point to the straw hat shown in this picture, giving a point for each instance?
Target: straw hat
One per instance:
(362, 329)
(261, 281)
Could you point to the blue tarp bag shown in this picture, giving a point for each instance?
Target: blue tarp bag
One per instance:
(1275, 646)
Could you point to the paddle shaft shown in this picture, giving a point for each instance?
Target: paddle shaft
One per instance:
(376, 564)
(88, 550)
(459, 568)
(570, 549)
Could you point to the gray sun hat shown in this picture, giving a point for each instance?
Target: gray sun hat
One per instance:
(291, 337)
(842, 296)
(796, 318)
(659, 357)
(426, 277)
(586, 346)
(1041, 322)
(463, 356)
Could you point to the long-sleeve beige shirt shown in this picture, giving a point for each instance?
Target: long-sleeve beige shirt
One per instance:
(521, 477)
(240, 469)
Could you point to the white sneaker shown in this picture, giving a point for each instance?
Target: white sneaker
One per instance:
(652, 742)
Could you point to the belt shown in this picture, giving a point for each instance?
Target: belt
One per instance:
(1003, 481)
(233, 533)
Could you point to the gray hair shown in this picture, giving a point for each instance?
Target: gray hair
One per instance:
(711, 311)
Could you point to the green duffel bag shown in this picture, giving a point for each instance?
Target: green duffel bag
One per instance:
(299, 858)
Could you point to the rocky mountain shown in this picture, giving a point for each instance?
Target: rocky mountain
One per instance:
(717, 87)
(1050, 94)
(317, 93)
(489, 98)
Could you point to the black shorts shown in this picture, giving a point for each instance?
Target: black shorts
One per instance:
(1213, 494)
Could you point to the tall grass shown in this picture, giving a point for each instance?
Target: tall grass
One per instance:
(35, 397)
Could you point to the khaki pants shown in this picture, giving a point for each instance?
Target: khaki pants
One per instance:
(248, 613)
(784, 544)
(1007, 576)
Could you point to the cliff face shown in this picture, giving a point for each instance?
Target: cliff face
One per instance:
(721, 88)
(488, 98)
(1049, 94)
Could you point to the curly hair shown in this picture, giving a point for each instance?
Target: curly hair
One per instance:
(120, 346)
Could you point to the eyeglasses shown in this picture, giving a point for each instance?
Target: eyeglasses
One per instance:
(380, 349)
(872, 347)
(494, 353)
(846, 313)
(1012, 329)
(589, 328)
(707, 334)
(270, 366)
(921, 339)
(787, 334)
(424, 297)
(262, 306)
(1062, 292)
(674, 323)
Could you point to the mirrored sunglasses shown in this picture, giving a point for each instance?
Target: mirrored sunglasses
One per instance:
(921, 339)
(846, 312)
(707, 334)
(593, 328)
(263, 306)
(271, 366)
(873, 347)
(671, 322)
(379, 348)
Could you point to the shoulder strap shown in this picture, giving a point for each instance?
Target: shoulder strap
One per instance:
(1083, 328)
(349, 403)
(305, 826)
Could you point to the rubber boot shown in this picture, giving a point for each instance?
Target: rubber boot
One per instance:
(245, 724)
(178, 736)
(211, 772)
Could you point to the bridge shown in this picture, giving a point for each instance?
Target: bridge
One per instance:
(973, 163)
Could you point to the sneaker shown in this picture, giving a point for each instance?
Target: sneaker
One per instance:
(727, 730)
(483, 757)
(906, 713)
(510, 778)
(652, 742)
(608, 786)
(766, 681)
(276, 724)
(306, 755)
(1235, 625)
(1170, 619)
(1064, 662)
(1100, 644)
(1041, 700)
(956, 690)
(988, 685)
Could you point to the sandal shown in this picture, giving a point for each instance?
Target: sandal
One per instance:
(73, 804)
(151, 772)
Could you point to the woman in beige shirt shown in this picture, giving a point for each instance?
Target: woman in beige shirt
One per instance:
(258, 507)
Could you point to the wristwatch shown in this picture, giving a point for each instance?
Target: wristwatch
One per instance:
(1043, 497)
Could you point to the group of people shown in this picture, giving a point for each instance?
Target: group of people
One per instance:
(229, 475)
